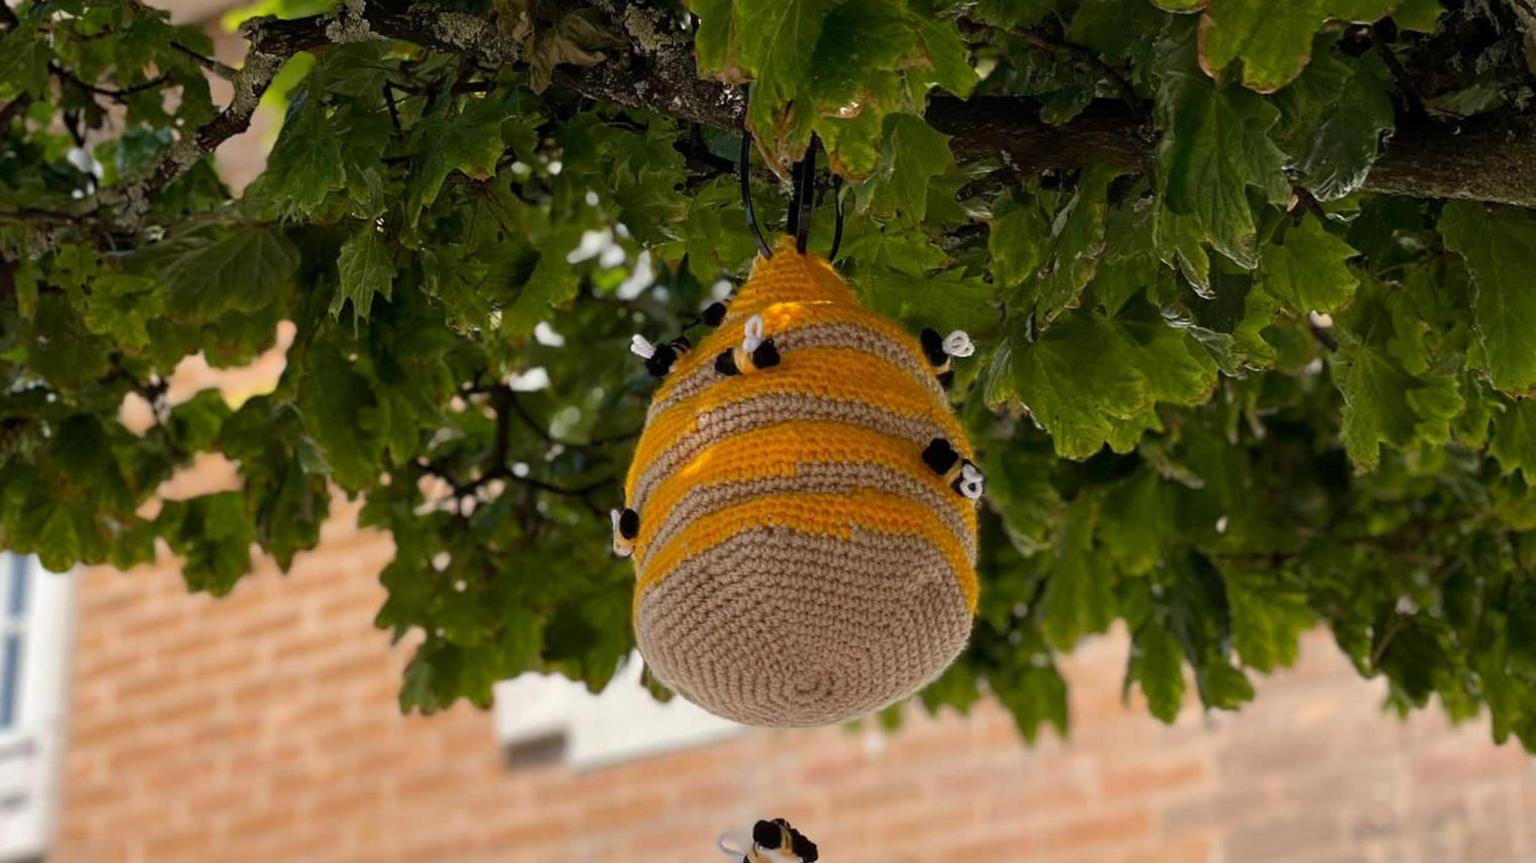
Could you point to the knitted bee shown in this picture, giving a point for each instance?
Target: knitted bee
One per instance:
(940, 349)
(754, 352)
(772, 842)
(801, 509)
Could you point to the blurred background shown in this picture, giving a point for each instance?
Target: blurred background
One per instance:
(141, 723)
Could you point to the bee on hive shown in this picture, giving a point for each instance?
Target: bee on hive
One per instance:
(798, 559)
(772, 842)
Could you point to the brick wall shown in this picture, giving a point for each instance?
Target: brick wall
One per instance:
(263, 727)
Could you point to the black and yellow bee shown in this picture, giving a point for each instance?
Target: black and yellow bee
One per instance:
(774, 842)
(962, 474)
(659, 358)
(754, 352)
(942, 350)
(713, 314)
(626, 526)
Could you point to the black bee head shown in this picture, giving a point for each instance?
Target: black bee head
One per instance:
(933, 346)
(629, 524)
(713, 314)
(660, 362)
(940, 456)
(766, 356)
(947, 379)
(767, 834)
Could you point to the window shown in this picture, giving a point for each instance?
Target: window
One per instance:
(12, 634)
(543, 719)
(34, 626)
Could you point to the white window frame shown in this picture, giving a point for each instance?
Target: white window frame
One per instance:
(30, 747)
(543, 718)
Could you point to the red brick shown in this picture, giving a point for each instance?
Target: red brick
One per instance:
(1150, 779)
(1103, 828)
(264, 727)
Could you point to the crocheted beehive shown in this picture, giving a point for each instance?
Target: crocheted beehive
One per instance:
(806, 532)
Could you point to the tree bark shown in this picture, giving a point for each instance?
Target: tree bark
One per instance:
(1492, 161)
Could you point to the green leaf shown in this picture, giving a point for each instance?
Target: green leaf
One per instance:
(197, 421)
(1034, 696)
(945, 301)
(1500, 248)
(1085, 377)
(121, 306)
(1383, 404)
(1514, 439)
(577, 39)
(26, 289)
(1307, 268)
(61, 349)
(306, 162)
(469, 141)
(286, 489)
(912, 156)
(1079, 595)
(1077, 243)
(1420, 15)
(24, 57)
(1267, 623)
(332, 397)
(1016, 246)
(1216, 147)
(1075, 380)
(948, 59)
(213, 536)
(833, 67)
(1112, 27)
(1180, 242)
(365, 269)
(551, 284)
(1011, 13)
(1333, 118)
(1137, 522)
(241, 271)
(1274, 41)
(1158, 666)
(771, 44)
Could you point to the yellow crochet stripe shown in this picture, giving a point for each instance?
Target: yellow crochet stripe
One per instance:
(790, 277)
(782, 318)
(835, 515)
(780, 451)
(787, 278)
(834, 373)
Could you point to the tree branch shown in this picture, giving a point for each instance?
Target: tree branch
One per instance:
(220, 69)
(115, 94)
(1492, 161)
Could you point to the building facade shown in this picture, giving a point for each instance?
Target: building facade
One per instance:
(263, 726)
(142, 724)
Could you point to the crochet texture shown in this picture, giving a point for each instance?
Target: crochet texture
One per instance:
(797, 561)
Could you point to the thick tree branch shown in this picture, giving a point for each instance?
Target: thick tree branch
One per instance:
(1492, 161)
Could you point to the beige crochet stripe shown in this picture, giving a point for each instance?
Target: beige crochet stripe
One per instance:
(776, 627)
(851, 336)
(768, 409)
(828, 477)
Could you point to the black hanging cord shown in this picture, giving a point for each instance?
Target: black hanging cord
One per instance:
(746, 196)
(837, 208)
(802, 204)
(804, 197)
